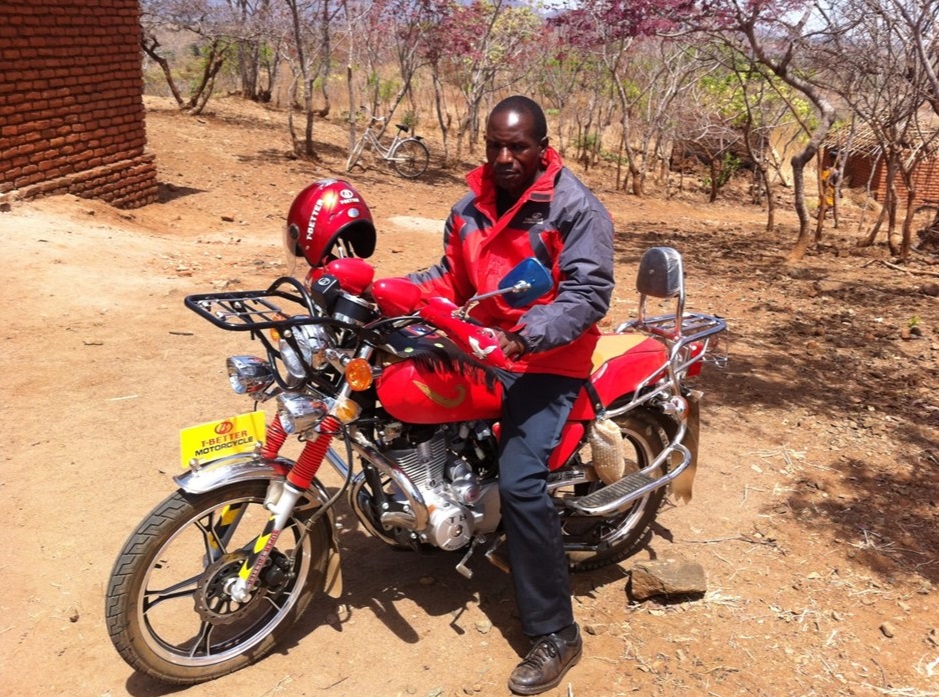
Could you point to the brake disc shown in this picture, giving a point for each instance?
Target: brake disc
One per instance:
(213, 600)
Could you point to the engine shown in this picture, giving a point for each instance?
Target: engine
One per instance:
(461, 503)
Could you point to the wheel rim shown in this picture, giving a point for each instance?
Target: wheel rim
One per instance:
(410, 159)
(179, 611)
(612, 530)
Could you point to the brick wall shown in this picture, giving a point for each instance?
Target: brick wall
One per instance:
(925, 178)
(71, 108)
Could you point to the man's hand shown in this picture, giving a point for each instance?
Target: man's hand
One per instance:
(512, 345)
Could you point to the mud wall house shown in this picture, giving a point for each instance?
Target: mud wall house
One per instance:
(71, 103)
(864, 165)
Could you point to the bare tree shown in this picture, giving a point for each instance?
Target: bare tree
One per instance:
(880, 75)
(307, 49)
(211, 39)
(921, 20)
(486, 49)
(786, 47)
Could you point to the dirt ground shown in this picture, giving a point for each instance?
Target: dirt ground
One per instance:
(815, 509)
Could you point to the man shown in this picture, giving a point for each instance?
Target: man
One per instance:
(523, 202)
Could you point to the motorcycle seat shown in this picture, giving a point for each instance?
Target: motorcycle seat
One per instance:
(613, 345)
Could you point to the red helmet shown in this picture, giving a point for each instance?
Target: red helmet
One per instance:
(326, 215)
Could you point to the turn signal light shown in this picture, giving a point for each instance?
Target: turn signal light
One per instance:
(359, 374)
(346, 411)
(272, 332)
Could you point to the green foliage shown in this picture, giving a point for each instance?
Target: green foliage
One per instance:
(586, 141)
(409, 119)
(730, 164)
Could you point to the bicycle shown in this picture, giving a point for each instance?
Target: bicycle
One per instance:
(407, 154)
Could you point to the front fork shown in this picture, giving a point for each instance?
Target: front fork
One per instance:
(298, 481)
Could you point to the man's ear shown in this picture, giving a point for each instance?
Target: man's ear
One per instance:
(543, 144)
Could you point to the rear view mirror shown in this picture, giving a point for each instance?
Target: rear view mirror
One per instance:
(527, 282)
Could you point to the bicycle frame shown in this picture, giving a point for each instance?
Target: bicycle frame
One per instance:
(373, 140)
(406, 153)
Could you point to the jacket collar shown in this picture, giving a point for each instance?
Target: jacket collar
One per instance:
(541, 191)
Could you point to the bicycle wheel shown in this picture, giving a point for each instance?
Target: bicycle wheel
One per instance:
(355, 154)
(410, 158)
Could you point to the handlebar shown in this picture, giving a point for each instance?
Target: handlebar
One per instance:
(368, 112)
(480, 342)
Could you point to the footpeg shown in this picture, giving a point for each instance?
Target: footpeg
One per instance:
(608, 499)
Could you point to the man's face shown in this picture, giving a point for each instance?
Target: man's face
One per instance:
(513, 151)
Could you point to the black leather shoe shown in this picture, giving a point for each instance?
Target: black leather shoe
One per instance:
(547, 662)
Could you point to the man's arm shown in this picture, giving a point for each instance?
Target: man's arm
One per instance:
(447, 278)
(586, 263)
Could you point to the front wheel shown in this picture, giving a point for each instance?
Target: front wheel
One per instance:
(410, 158)
(168, 610)
(596, 542)
(355, 155)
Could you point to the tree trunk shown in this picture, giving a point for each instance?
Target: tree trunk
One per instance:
(712, 165)
(770, 201)
(442, 123)
(150, 45)
(798, 184)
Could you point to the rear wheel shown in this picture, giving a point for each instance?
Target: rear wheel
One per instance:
(410, 158)
(168, 610)
(596, 542)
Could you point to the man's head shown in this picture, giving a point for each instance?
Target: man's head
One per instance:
(516, 138)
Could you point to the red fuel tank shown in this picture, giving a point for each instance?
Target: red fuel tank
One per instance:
(420, 394)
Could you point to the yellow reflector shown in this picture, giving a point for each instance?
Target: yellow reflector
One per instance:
(346, 411)
(359, 374)
(272, 332)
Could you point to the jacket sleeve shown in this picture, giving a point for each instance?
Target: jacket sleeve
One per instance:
(448, 277)
(586, 265)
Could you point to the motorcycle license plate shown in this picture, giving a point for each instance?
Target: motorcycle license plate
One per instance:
(231, 436)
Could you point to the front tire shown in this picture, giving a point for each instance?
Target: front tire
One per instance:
(611, 540)
(355, 155)
(166, 608)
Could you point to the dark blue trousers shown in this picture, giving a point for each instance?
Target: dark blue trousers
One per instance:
(534, 409)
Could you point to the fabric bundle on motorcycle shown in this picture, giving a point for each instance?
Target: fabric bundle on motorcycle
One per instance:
(607, 452)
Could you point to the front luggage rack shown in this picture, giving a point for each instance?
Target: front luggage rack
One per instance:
(253, 310)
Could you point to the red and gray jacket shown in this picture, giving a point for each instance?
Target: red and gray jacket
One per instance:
(556, 220)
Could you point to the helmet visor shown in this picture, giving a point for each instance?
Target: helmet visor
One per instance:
(291, 249)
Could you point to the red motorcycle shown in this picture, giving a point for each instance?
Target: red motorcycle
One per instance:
(217, 573)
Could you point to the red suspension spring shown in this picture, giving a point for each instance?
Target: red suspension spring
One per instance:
(312, 456)
(276, 435)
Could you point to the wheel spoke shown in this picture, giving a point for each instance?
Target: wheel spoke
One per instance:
(217, 528)
(203, 640)
(153, 597)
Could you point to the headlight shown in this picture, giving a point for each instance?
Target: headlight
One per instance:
(312, 341)
(249, 374)
(299, 412)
